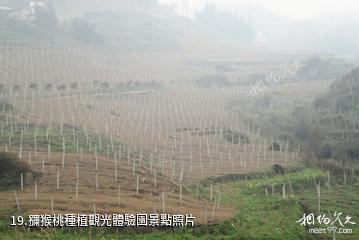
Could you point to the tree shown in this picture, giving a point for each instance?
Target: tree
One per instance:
(137, 84)
(104, 85)
(49, 86)
(326, 151)
(129, 84)
(33, 86)
(83, 31)
(315, 140)
(62, 87)
(45, 16)
(74, 86)
(16, 88)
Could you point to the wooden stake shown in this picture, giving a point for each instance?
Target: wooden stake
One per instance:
(291, 189)
(345, 177)
(266, 191)
(318, 190)
(96, 182)
(52, 205)
(133, 167)
(180, 192)
(49, 149)
(17, 201)
(63, 152)
(119, 195)
(197, 191)
(137, 183)
(77, 190)
(22, 181)
(35, 191)
(163, 202)
(115, 169)
(284, 195)
(155, 175)
(211, 193)
(43, 165)
(96, 158)
(77, 169)
(57, 179)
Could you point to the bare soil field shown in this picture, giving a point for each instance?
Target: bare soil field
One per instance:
(107, 196)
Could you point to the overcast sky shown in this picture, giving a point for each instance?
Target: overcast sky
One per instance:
(293, 9)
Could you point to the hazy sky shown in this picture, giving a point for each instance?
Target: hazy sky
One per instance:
(293, 9)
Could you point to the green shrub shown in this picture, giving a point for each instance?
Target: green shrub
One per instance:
(10, 170)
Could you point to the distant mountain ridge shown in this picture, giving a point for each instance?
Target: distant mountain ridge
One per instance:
(137, 25)
(146, 24)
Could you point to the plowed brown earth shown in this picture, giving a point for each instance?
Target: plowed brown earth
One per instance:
(106, 200)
